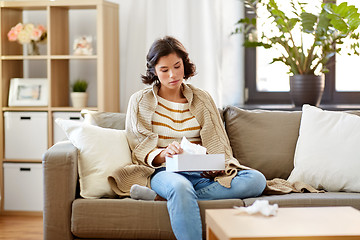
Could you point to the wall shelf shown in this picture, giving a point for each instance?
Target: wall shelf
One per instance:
(57, 63)
(25, 109)
(44, 57)
(21, 57)
(73, 57)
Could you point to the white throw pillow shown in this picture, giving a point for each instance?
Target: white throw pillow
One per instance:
(101, 151)
(327, 154)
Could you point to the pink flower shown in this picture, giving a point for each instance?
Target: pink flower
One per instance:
(18, 27)
(41, 28)
(12, 35)
(36, 34)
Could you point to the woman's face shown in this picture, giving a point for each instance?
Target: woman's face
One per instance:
(170, 71)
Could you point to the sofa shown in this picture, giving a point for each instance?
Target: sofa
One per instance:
(261, 139)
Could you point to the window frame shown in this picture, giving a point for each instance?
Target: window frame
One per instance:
(253, 96)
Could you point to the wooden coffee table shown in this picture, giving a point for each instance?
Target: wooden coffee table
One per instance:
(325, 223)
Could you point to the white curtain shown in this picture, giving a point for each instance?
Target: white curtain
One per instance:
(203, 26)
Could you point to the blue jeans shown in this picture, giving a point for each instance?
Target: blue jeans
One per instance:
(183, 189)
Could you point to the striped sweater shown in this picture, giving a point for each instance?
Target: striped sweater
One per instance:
(171, 121)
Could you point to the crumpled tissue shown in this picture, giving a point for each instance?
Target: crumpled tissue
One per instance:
(260, 206)
(191, 148)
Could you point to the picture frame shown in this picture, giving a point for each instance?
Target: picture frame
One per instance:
(82, 46)
(28, 92)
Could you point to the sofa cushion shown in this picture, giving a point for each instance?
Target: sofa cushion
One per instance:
(130, 219)
(311, 199)
(104, 119)
(327, 154)
(101, 151)
(263, 140)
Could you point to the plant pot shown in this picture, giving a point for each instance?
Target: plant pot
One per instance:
(79, 99)
(306, 89)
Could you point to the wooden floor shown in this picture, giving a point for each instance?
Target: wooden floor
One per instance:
(21, 227)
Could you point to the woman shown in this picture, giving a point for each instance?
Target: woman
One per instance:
(159, 116)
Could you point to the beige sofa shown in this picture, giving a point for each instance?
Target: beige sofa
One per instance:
(264, 140)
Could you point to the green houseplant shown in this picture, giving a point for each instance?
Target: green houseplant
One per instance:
(79, 96)
(80, 85)
(306, 62)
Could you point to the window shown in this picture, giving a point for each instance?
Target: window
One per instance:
(347, 70)
(269, 83)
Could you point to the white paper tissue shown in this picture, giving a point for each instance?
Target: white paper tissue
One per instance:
(191, 148)
(260, 206)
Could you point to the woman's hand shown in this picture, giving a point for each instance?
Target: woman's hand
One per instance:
(211, 174)
(172, 149)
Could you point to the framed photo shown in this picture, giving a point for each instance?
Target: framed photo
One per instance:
(28, 92)
(83, 45)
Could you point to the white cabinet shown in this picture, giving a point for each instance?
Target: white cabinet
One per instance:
(26, 135)
(23, 186)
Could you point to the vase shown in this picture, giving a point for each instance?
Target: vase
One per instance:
(33, 48)
(306, 89)
(79, 99)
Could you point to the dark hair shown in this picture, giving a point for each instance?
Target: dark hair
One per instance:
(163, 47)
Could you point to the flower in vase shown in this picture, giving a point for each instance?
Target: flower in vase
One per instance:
(25, 33)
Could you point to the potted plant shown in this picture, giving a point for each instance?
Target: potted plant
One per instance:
(79, 96)
(307, 63)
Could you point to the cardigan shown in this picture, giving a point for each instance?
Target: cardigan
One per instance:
(143, 141)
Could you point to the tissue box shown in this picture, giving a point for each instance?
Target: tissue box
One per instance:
(195, 162)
